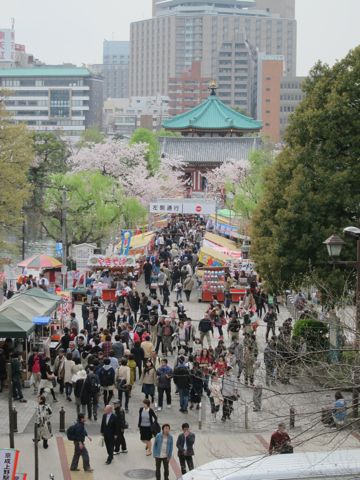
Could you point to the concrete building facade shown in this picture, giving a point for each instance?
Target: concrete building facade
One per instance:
(187, 90)
(122, 116)
(270, 73)
(66, 100)
(115, 69)
(291, 95)
(185, 31)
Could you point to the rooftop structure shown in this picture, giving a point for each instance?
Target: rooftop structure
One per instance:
(212, 118)
(63, 99)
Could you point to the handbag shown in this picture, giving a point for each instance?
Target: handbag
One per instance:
(287, 449)
(155, 428)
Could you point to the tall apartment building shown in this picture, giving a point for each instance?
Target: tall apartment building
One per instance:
(291, 95)
(270, 73)
(63, 99)
(285, 8)
(115, 69)
(187, 90)
(184, 31)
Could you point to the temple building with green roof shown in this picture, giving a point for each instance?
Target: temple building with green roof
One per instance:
(211, 133)
(212, 118)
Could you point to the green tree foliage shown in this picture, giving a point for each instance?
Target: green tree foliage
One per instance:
(94, 207)
(90, 135)
(16, 155)
(314, 332)
(167, 133)
(312, 189)
(144, 135)
(51, 154)
(248, 192)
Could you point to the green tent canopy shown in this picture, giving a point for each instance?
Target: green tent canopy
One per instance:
(16, 314)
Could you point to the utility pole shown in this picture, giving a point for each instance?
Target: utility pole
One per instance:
(10, 405)
(64, 233)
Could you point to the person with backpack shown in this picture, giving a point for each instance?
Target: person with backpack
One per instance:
(90, 392)
(77, 433)
(107, 380)
(234, 327)
(182, 380)
(205, 327)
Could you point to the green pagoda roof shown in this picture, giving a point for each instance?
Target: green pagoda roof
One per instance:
(212, 115)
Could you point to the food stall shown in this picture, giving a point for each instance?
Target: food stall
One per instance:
(142, 245)
(117, 267)
(217, 266)
(49, 266)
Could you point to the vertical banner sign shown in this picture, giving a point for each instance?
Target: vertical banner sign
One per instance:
(8, 463)
(125, 242)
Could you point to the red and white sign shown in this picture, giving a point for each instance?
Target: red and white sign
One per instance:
(198, 208)
(8, 463)
(189, 206)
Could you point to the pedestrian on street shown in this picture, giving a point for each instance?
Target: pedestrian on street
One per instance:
(122, 382)
(109, 431)
(107, 380)
(182, 380)
(148, 380)
(34, 362)
(162, 451)
(280, 441)
(185, 445)
(188, 286)
(80, 401)
(43, 414)
(205, 327)
(121, 425)
(47, 378)
(270, 319)
(164, 375)
(229, 390)
(90, 393)
(78, 436)
(147, 419)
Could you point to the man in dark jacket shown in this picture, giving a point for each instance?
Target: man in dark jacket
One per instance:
(164, 374)
(185, 446)
(108, 431)
(107, 380)
(79, 443)
(204, 328)
(120, 428)
(147, 269)
(90, 393)
(182, 379)
(16, 378)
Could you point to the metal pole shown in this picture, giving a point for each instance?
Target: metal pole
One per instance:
(292, 417)
(64, 234)
(246, 417)
(62, 420)
(36, 451)
(355, 399)
(200, 416)
(15, 427)
(10, 405)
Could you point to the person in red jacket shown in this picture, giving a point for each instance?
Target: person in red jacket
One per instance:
(280, 441)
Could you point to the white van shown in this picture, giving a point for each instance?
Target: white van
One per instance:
(337, 464)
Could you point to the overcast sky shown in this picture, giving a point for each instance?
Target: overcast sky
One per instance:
(58, 31)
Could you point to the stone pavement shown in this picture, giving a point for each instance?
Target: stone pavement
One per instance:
(57, 458)
(214, 440)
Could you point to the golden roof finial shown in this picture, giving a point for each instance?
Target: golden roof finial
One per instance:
(213, 87)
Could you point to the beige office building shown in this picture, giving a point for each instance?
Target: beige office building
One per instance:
(184, 31)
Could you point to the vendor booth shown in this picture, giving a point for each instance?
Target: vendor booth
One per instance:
(142, 244)
(112, 269)
(19, 318)
(49, 266)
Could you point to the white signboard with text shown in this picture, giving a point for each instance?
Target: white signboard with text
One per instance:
(191, 206)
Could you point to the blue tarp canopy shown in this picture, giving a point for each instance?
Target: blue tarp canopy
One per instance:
(41, 320)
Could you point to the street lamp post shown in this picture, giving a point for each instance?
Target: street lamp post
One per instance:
(334, 245)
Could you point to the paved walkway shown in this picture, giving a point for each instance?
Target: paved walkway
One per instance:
(214, 440)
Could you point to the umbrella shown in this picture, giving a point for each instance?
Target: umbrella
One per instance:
(40, 261)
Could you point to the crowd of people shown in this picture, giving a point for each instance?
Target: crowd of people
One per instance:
(151, 343)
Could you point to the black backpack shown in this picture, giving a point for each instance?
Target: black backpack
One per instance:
(71, 433)
(94, 385)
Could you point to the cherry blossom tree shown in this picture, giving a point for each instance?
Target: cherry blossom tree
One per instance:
(225, 178)
(128, 164)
